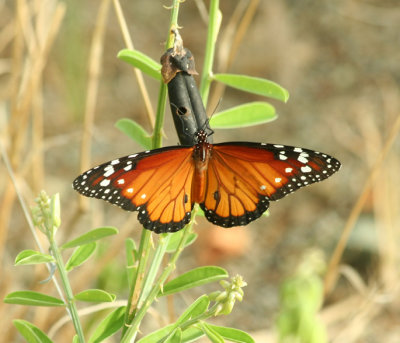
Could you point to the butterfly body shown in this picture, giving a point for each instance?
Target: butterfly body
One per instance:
(233, 182)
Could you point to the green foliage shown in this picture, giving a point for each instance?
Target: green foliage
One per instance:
(301, 299)
(32, 298)
(193, 278)
(192, 323)
(81, 254)
(253, 113)
(91, 236)
(134, 131)
(31, 333)
(94, 295)
(141, 61)
(27, 257)
(254, 85)
(109, 325)
(175, 239)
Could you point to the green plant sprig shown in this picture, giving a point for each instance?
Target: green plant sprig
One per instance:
(46, 217)
(138, 289)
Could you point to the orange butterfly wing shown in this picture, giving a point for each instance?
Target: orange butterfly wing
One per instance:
(243, 177)
(157, 183)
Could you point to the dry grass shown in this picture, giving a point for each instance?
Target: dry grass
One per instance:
(62, 88)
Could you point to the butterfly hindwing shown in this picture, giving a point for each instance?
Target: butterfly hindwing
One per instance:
(243, 177)
(156, 183)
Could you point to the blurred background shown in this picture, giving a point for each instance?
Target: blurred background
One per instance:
(340, 63)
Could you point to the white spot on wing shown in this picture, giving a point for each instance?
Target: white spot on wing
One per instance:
(263, 187)
(132, 156)
(302, 159)
(128, 167)
(121, 181)
(114, 162)
(105, 183)
(278, 179)
(298, 150)
(288, 170)
(143, 196)
(130, 190)
(282, 157)
(306, 169)
(109, 172)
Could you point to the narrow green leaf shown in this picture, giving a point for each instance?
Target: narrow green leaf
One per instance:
(32, 298)
(158, 335)
(134, 131)
(199, 306)
(175, 336)
(212, 335)
(95, 295)
(75, 339)
(231, 334)
(141, 61)
(200, 212)
(175, 239)
(191, 334)
(250, 114)
(80, 255)
(131, 258)
(31, 333)
(109, 325)
(254, 85)
(91, 236)
(193, 278)
(32, 257)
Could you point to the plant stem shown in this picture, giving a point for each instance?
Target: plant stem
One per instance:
(154, 267)
(137, 291)
(134, 327)
(213, 28)
(67, 289)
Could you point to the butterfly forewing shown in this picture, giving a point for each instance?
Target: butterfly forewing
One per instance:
(244, 176)
(156, 183)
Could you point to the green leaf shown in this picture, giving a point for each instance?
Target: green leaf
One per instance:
(175, 239)
(75, 339)
(254, 85)
(193, 278)
(32, 257)
(31, 333)
(91, 236)
(175, 336)
(134, 131)
(212, 335)
(32, 298)
(80, 255)
(158, 335)
(131, 258)
(250, 114)
(109, 325)
(141, 61)
(231, 334)
(95, 295)
(200, 212)
(199, 306)
(191, 334)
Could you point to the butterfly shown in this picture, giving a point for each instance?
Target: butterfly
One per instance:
(233, 182)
